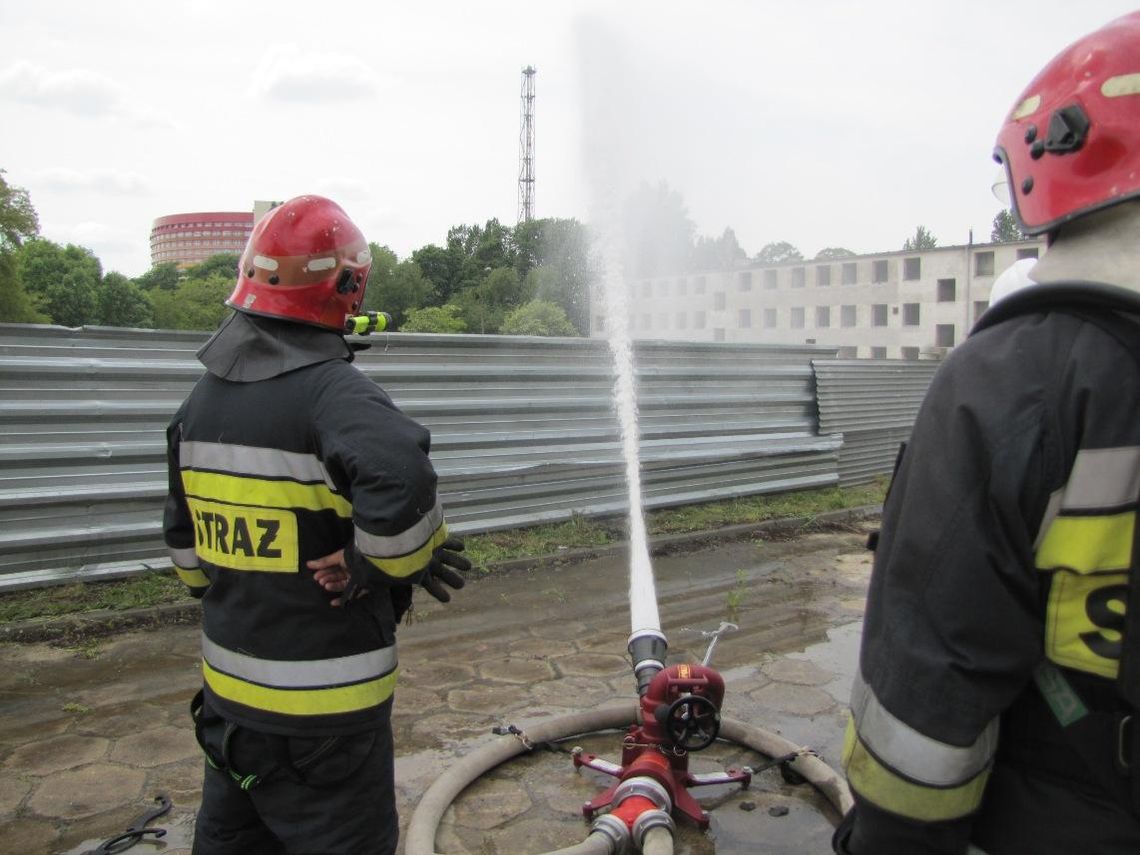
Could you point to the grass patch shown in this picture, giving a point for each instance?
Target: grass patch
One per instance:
(484, 550)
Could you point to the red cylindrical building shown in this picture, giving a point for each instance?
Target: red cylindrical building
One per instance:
(188, 239)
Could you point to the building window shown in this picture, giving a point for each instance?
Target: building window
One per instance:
(911, 314)
(823, 275)
(663, 288)
(984, 264)
(682, 287)
(769, 318)
(909, 353)
(646, 289)
(822, 317)
(912, 270)
(798, 277)
(600, 323)
(797, 317)
(745, 319)
(879, 315)
(698, 320)
(699, 287)
(718, 334)
(744, 280)
(879, 271)
(944, 335)
(878, 353)
(850, 273)
(663, 321)
(682, 320)
(771, 278)
(718, 301)
(847, 315)
(847, 352)
(1029, 252)
(947, 291)
(980, 307)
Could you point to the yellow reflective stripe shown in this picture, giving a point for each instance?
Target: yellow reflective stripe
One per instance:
(192, 576)
(1089, 544)
(258, 492)
(1084, 621)
(338, 699)
(413, 562)
(879, 785)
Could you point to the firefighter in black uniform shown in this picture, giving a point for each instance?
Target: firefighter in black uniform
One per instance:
(999, 680)
(302, 508)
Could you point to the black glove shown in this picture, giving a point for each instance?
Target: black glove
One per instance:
(441, 570)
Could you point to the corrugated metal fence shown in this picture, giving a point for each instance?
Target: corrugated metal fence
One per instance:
(873, 404)
(522, 431)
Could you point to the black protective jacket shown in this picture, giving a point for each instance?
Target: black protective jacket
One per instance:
(1007, 550)
(268, 474)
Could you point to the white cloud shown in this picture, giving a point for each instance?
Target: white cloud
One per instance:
(287, 73)
(78, 91)
(99, 180)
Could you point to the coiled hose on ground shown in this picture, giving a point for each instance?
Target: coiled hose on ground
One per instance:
(426, 817)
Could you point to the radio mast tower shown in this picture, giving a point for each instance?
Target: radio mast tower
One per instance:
(526, 147)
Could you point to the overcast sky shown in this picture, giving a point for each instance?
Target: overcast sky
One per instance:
(819, 123)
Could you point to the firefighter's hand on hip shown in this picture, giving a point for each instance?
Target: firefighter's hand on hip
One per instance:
(331, 573)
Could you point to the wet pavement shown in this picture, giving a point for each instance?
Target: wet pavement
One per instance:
(90, 734)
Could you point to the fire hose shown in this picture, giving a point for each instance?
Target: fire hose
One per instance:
(439, 796)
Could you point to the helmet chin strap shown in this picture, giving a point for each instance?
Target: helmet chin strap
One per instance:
(1103, 246)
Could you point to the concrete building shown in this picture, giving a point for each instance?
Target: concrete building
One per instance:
(892, 305)
(188, 239)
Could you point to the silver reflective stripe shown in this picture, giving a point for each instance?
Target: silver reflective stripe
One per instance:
(251, 460)
(912, 754)
(184, 558)
(406, 541)
(282, 674)
(1103, 478)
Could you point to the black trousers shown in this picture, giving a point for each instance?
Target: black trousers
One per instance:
(320, 796)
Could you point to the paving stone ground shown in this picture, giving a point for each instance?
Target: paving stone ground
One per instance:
(90, 734)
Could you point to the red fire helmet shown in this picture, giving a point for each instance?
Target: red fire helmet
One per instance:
(1071, 143)
(305, 261)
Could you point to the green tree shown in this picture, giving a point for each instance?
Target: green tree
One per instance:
(16, 306)
(832, 253)
(443, 268)
(922, 239)
(18, 219)
(538, 318)
(435, 319)
(555, 260)
(394, 286)
(484, 305)
(122, 303)
(197, 304)
(778, 253)
(165, 277)
(224, 263)
(62, 280)
(1006, 229)
(18, 223)
(722, 253)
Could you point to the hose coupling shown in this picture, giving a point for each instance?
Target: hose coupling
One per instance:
(649, 820)
(614, 830)
(645, 787)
